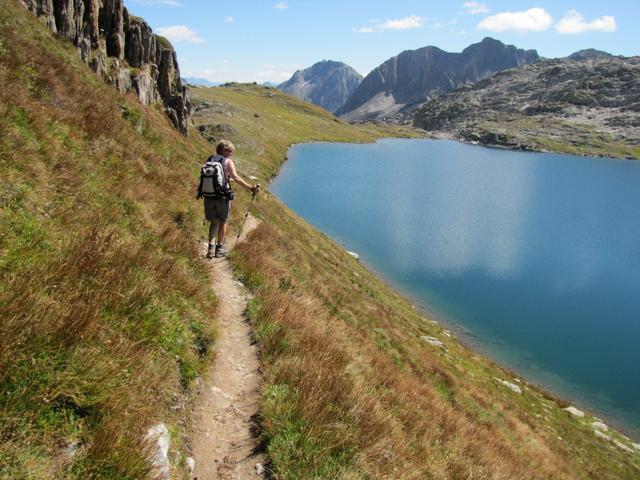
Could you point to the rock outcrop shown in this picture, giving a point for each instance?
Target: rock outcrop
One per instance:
(580, 103)
(325, 83)
(139, 59)
(403, 83)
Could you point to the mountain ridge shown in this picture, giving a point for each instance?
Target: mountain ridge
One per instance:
(405, 81)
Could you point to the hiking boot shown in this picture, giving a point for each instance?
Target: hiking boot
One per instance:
(220, 251)
(210, 251)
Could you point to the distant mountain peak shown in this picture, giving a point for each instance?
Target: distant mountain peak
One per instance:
(327, 83)
(589, 53)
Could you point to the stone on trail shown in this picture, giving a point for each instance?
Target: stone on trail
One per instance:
(574, 411)
(259, 469)
(158, 437)
(191, 464)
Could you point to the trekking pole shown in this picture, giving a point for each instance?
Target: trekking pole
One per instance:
(246, 215)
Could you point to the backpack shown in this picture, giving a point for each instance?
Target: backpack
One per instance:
(213, 181)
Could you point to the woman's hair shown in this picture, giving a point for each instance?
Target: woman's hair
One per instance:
(224, 145)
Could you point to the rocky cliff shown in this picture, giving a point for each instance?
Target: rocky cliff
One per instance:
(403, 83)
(122, 49)
(588, 106)
(325, 83)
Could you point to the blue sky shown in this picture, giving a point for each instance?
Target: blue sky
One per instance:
(267, 40)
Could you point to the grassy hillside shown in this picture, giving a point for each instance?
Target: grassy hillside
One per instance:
(107, 315)
(352, 389)
(106, 310)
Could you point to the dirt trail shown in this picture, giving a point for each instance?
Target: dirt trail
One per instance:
(223, 444)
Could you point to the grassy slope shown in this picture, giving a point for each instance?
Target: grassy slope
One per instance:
(106, 310)
(351, 391)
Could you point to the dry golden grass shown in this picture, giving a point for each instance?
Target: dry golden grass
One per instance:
(106, 310)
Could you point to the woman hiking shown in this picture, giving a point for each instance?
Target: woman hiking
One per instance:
(215, 187)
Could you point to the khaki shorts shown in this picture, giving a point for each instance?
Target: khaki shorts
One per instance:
(216, 209)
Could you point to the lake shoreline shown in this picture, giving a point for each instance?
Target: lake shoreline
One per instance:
(463, 334)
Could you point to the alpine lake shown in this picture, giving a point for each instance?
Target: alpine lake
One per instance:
(531, 258)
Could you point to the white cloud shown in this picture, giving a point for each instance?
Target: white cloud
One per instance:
(532, 20)
(573, 22)
(230, 19)
(405, 23)
(473, 7)
(281, 6)
(180, 33)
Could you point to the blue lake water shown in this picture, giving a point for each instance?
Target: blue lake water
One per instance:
(534, 258)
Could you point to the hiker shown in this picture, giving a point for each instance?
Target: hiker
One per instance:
(215, 187)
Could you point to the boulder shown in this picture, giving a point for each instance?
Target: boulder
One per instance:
(600, 426)
(432, 341)
(511, 386)
(574, 411)
(159, 440)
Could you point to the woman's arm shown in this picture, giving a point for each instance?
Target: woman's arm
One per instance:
(233, 174)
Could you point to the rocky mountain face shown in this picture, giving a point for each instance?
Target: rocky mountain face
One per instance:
(580, 103)
(403, 83)
(326, 83)
(122, 49)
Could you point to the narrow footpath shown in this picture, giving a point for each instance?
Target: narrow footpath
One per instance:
(223, 443)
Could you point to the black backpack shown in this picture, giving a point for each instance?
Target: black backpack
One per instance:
(213, 181)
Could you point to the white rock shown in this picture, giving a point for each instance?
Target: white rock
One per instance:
(574, 411)
(432, 341)
(191, 464)
(511, 386)
(636, 446)
(600, 426)
(70, 451)
(354, 255)
(259, 469)
(622, 446)
(446, 333)
(158, 436)
(599, 434)
(253, 177)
